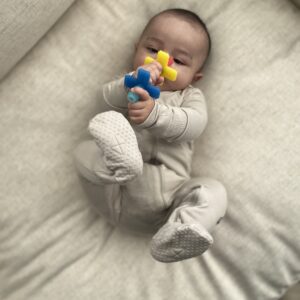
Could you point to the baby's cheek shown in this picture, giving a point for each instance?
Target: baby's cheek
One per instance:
(136, 64)
(138, 60)
(181, 82)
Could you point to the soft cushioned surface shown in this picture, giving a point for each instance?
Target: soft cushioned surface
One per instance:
(22, 24)
(54, 246)
(296, 2)
(293, 293)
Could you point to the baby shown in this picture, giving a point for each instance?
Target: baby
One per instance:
(136, 170)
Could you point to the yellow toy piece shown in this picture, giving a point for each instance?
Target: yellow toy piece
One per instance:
(163, 59)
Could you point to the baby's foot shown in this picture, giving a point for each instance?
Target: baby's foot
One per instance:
(116, 138)
(177, 241)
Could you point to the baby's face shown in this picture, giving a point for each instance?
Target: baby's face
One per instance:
(185, 42)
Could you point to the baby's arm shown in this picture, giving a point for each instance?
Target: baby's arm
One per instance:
(115, 95)
(179, 124)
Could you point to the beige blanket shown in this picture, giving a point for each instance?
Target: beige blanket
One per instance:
(54, 246)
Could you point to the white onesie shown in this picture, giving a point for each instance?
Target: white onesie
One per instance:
(163, 197)
(167, 134)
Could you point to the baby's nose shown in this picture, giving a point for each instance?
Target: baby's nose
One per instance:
(171, 61)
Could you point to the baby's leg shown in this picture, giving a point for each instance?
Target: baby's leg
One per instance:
(198, 206)
(148, 198)
(113, 158)
(115, 137)
(98, 181)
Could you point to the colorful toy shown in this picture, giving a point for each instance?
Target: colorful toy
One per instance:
(164, 59)
(143, 76)
(142, 80)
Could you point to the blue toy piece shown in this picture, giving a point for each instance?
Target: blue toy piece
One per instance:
(133, 97)
(142, 80)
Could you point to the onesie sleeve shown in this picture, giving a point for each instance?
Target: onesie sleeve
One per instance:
(179, 124)
(114, 94)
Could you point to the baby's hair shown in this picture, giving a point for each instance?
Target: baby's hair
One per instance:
(191, 17)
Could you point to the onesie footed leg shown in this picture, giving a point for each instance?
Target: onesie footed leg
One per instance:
(177, 241)
(115, 137)
(90, 165)
(199, 205)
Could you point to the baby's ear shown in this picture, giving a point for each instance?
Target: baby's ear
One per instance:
(197, 76)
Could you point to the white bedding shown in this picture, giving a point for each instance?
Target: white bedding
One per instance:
(52, 243)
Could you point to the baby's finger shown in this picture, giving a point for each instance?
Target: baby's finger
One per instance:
(136, 120)
(157, 65)
(160, 80)
(144, 95)
(134, 113)
(153, 66)
(136, 105)
(155, 72)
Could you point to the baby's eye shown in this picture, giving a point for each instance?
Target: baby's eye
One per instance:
(178, 61)
(153, 50)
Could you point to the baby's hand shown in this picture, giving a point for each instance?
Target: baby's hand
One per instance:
(155, 70)
(139, 111)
